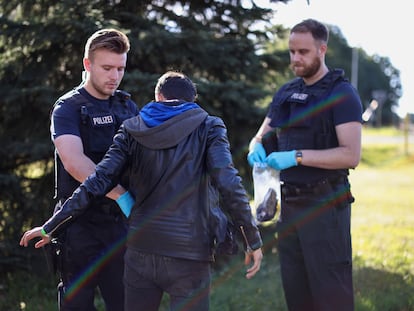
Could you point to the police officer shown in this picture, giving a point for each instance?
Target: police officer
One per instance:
(178, 156)
(317, 117)
(83, 124)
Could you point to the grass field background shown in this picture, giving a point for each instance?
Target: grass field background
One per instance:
(383, 244)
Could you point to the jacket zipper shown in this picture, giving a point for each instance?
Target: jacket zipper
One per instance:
(60, 224)
(248, 248)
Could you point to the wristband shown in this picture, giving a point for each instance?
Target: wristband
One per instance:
(43, 232)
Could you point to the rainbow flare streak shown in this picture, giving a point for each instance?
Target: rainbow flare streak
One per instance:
(313, 110)
(98, 264)
(341, 195)
(95, 266)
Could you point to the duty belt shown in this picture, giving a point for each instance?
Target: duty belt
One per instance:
(318, 187)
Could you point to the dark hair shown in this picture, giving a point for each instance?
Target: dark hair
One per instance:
(176, 85)
(318, 30)
(110, 39)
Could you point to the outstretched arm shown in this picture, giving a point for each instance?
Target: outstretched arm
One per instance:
(97, 184)
(256, 256)
(34, 233)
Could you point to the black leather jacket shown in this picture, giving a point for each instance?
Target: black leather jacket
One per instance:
(169, 167)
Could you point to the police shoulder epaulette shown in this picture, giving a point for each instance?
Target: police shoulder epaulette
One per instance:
(122, 95)
(293, 84)
(78, 98)
(337, 74)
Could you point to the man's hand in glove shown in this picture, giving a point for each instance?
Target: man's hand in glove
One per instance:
(126, 202)
(282, 160)
(256, 154)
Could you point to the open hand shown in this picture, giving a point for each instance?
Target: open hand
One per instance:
(33, 233)
(257, 256)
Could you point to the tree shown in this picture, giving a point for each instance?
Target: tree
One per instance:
(376, 75)
(41, 43)
(236, 64)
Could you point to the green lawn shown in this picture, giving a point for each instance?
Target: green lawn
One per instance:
(383, 245)
(383, 228)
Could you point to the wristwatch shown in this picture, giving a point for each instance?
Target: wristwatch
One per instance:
(299, 157)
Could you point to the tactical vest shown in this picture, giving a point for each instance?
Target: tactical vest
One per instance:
(98, 125)
(304, 117)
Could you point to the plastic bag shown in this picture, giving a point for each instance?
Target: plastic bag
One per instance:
(266, 191)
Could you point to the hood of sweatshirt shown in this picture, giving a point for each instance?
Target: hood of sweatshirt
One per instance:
(162, 125)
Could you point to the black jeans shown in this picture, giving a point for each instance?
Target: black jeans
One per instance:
(148, 276)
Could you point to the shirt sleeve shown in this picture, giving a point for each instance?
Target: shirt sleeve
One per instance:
(133, 107)
(65, 120)
(347, 106)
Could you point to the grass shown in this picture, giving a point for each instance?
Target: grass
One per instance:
(383, 226)
(383, 246)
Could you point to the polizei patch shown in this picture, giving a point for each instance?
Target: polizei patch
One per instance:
(299, 96)
(102, 120)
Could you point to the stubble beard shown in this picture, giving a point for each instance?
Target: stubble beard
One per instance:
(101, 90)
(307, 72)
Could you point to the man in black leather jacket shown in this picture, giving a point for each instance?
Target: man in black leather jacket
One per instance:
(170, 152)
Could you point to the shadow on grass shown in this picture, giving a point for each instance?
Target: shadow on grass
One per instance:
(382, 290)
(232, 291)
(375, 289)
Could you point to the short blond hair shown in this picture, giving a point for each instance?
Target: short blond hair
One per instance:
(109, 39)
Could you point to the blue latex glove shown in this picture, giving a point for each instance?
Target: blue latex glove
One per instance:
(257, 154)
(282, 160)
(126, 202)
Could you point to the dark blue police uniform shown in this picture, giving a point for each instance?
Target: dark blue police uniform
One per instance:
(91, 247)
(314, 240)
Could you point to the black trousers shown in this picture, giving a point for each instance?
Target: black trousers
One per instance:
(93, 259)
(315, 252)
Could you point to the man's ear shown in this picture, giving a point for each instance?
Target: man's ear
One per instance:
(87, 64)
(159, 97)
(323, 48)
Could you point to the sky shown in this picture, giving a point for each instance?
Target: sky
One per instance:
(378, 27)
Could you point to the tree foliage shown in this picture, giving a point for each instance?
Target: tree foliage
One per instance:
(41, 50)
(217, 43)
(377, 77)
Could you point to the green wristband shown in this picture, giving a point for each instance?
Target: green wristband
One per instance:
(43, 232)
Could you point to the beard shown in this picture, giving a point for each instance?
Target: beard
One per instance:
(307, 71)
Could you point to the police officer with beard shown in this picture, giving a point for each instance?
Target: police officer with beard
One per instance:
(83, 124)
(317, 117)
